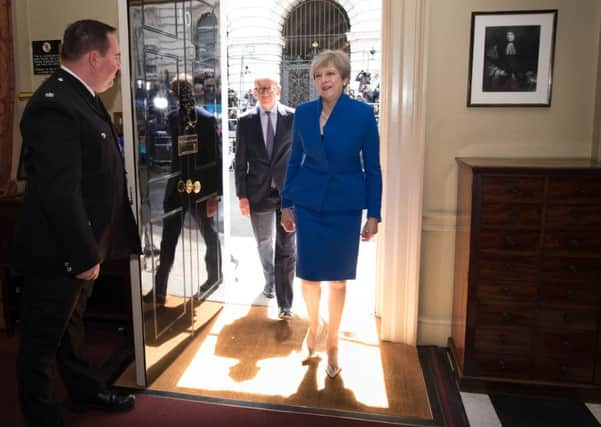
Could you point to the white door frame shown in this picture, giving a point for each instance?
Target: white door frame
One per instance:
(403, 117)
(403, 108)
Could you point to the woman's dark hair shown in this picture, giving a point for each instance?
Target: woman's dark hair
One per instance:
(84, 36)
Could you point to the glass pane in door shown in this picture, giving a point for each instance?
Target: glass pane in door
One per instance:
(178, 144)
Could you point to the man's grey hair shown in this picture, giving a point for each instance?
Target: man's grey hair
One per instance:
(273, 77)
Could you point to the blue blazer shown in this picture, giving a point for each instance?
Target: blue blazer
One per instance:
(328, 174)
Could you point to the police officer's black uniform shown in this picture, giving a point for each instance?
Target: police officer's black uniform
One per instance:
(76, 215)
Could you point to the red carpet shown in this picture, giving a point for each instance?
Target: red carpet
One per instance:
(152, 410)
(158, 411)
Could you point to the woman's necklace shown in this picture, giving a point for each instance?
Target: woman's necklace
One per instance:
(325, 116)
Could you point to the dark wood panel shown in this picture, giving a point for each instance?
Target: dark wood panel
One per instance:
(509, 189)
(576, 319)
(506, 315)
(507, 269)
(566, 343)
(504, 366)
(575, 217)
(558, 290)
(513, 292)
(508, 240)
(514, 341)
(581, 189)
(575, 242)
(572, 268)
(511, 215)
(462, 257)
(571, 370)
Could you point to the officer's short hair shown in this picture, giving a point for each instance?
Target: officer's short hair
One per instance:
(84, 36)
(338, 58)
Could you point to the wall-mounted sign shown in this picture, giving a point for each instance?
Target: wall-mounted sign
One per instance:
(46, 58)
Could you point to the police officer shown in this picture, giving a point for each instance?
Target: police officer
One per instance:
(76, 215)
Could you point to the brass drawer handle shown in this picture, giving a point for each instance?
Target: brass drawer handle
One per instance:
(189, 186)
(181, 186)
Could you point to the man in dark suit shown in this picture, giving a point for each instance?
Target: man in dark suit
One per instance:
(199, 161)
(263, 136)
(76, 216)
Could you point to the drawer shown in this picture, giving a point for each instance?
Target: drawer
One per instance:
(570, 268)
(574, 217)
(506, 315)
(504, 189)
(573, 242)
(502, 270)
(553, 290)
(581, 189)
(511, 292)
(577, 319)
(508, 215)
(565, 343)
(525, 241)
(499, 366)
(515, 341)
(569, 370)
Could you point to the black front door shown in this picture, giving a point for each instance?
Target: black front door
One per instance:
(175, 74)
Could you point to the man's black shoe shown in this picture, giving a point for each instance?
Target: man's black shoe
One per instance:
(106, 401)
(208, 284)
(149, 298)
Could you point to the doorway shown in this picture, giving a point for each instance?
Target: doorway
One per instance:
(168, 40)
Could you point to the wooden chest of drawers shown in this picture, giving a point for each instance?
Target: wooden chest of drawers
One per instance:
(527, 293)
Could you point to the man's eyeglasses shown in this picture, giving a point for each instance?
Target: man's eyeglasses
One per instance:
(264, 90)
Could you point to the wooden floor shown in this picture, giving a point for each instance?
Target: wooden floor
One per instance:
(246, 353)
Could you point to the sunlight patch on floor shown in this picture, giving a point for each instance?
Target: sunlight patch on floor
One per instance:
(272, 366)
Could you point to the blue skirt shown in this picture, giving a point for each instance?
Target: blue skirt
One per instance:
(327, 244)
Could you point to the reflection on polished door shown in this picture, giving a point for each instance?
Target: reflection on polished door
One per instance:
(175, 74)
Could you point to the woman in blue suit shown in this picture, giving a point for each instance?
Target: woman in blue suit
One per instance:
(333, 174)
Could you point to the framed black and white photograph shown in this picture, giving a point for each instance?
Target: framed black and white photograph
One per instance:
(511, 58)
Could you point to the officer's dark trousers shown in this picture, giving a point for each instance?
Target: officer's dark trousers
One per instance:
(172, 227)
(52, 336)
